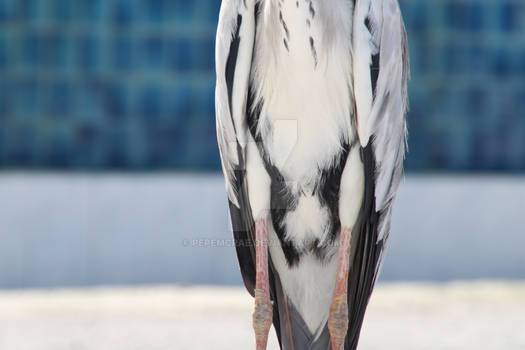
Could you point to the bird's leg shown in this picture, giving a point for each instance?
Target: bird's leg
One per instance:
(262, 316)
(338, 317)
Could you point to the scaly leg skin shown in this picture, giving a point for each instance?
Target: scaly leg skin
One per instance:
(262, 316)
(338, 317)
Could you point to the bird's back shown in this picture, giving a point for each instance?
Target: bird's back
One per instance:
(301, 75)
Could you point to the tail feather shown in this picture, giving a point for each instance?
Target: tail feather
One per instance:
(292, 331)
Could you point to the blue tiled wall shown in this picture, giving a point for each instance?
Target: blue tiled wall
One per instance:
(468, 84)
(128, 84)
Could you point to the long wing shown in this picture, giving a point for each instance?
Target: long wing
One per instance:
(234, 48)
(380, 86)
(380, 83)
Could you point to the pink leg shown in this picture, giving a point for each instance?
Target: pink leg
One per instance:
(338, 317)
(262, 316)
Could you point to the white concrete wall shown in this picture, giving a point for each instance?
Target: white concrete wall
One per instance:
(62, 230)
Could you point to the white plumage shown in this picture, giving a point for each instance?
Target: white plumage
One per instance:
(313, 92)
(311, 103)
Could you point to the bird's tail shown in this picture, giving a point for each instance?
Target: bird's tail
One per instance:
(292, 332)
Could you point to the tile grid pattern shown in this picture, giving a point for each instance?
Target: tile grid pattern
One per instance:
(128, 84)
(468, 84)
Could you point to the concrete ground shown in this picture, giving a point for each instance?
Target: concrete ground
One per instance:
(486, 315)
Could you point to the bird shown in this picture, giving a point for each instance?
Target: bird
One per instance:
(311, 103)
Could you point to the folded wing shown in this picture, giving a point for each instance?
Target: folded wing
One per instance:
(380, 86)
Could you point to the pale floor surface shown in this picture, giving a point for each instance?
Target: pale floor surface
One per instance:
(476, 315)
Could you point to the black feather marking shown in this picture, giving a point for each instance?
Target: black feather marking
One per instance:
(232, 61)
(283, 23)
(253, 113)
(256, 14)
(314, 51)
(366, 252)
(243, 246)
(368, 24)
(374, 67)
(312, 10)
(286, 44)
(276, 293)
(282, 201)
(374, 72)
(328, 192)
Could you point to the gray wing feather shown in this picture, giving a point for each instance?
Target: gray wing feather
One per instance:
(380, 62)
(236, 21)
(381, 101)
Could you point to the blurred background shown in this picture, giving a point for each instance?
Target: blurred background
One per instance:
(110, 176)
